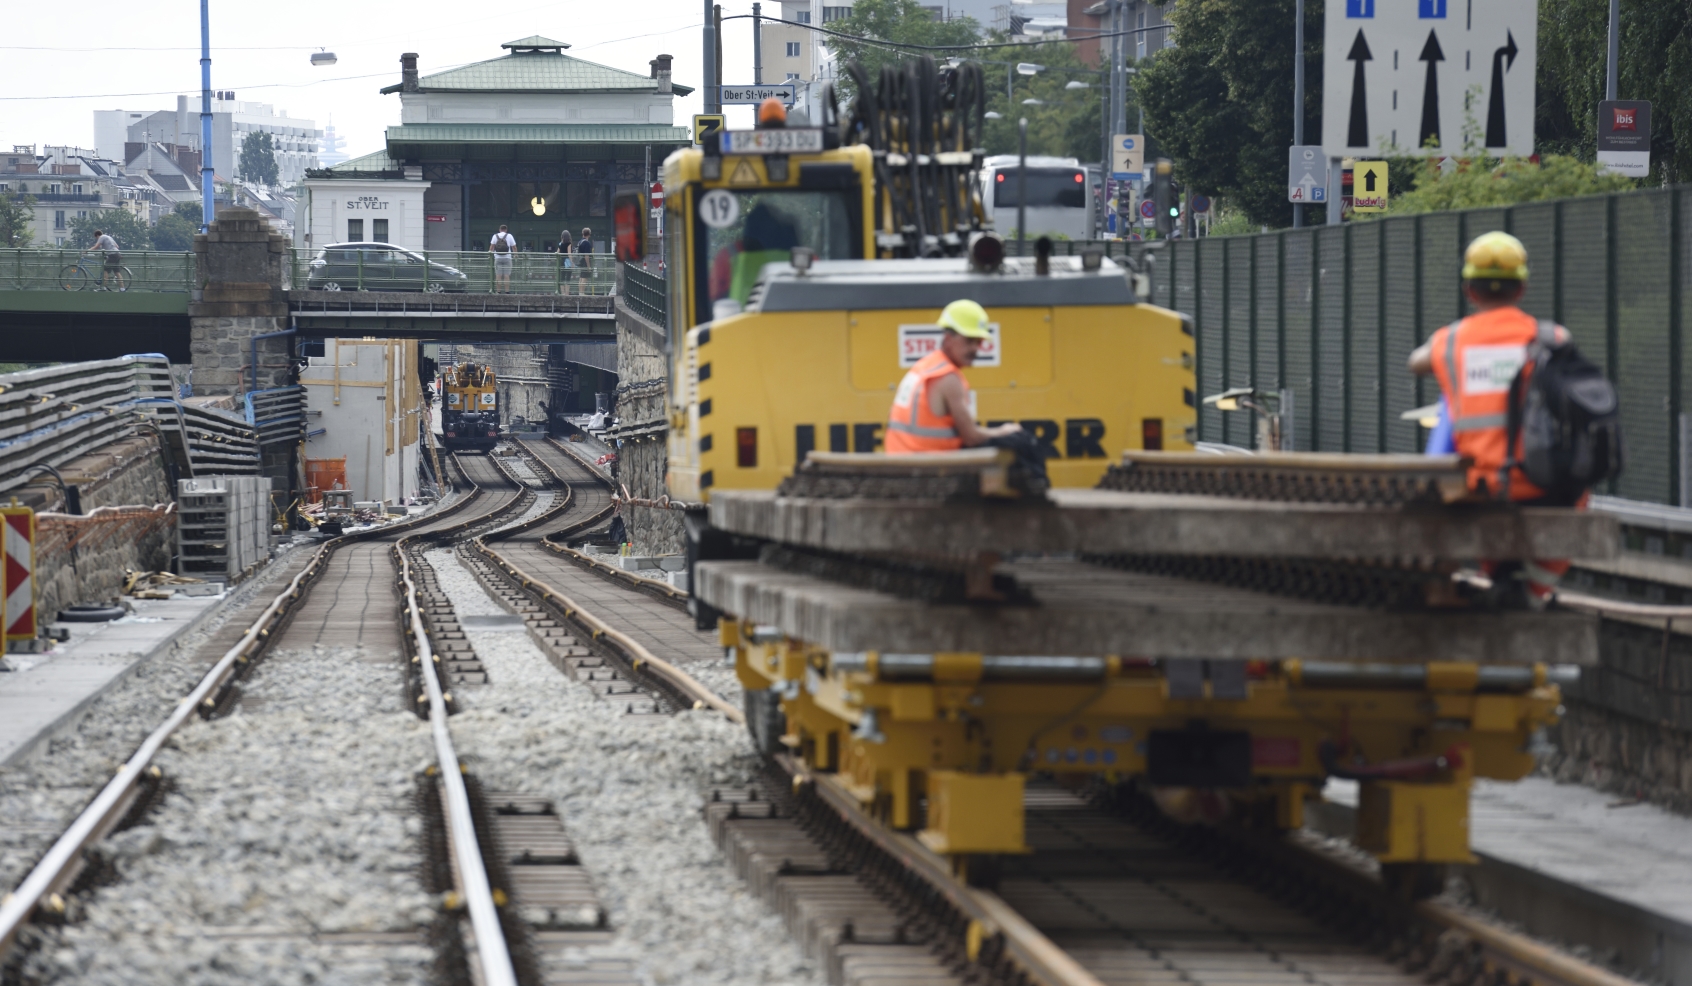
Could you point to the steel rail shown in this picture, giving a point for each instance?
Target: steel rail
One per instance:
(640, 658)
(55, 867)
(492, 954)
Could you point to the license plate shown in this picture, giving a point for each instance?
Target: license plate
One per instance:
(772, 141)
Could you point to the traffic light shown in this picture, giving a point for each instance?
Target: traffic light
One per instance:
(1163, 196)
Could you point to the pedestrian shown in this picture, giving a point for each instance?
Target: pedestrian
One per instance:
(502, 246)
(584, 258)
(1475, 360)
(931, 409)
(564, 260)
(114, 258)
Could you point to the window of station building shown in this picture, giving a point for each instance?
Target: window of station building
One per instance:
(355, 230)
(379, 230)
(793, 49)
(587, 198)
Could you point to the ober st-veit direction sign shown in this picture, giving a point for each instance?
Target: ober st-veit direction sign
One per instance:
(1307, 174)
(1399, 73)
(754, 95)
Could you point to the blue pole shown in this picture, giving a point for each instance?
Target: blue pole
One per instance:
(207, 206)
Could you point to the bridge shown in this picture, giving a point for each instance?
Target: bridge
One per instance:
(57, 305)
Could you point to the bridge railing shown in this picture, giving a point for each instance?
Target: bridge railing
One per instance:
(155, 271)
(646, 294)
(430, 271)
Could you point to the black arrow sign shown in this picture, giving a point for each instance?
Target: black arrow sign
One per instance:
(1369, 181)
(1357, 134)
(1502, 59)
(1431, 54)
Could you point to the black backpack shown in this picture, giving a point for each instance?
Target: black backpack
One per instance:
(1564, 420)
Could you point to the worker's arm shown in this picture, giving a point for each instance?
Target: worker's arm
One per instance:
(949, 392)
(1422, 360)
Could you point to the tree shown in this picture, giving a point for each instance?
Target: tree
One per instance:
(1065, 123)
(1656, 61)
(131, 232)
(901, 21)
(1219, 103)
(176, 229)
(258, 159)
(16, 214)
(1492, 182)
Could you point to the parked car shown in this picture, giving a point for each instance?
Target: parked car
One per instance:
(380, 267)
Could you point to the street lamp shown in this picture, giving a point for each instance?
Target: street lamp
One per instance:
(1033, 102)
(1077, 84)
(320, 58)
(1029, 68)
(993, 115)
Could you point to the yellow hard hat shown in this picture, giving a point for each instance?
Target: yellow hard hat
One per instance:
(1495, 256)
(966, 318)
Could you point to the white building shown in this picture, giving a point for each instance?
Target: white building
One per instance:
(295, 141)
(67, 183)
(382, 208)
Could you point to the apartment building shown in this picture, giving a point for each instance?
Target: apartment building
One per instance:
(296, 141)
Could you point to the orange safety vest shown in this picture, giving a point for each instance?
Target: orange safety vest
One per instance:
(1474, 360)
(912, 425)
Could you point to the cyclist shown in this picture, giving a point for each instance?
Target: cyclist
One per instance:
(114, 258)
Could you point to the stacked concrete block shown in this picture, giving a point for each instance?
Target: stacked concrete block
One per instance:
(223, 526)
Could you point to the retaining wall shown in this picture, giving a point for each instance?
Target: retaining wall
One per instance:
(643, 459)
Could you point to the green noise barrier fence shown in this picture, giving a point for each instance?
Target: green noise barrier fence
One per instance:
(1332, 313)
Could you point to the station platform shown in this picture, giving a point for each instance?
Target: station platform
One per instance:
(1575, 865)
(45, 693)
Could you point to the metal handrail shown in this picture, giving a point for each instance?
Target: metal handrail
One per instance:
(646, 294)
(473, 271)
(50, 269)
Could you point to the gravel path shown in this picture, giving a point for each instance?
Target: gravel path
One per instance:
(630, 792)
(290, 828)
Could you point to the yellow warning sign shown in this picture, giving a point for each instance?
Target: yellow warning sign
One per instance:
(1369, 186)
(707, 123)
(744, 173)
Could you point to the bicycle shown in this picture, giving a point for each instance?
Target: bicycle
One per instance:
(82, 276)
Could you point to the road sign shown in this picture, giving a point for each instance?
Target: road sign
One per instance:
(706, 123)
(1369, 186)
(1201, 203)
(1403, 76)
(1127, 156)
(1307, 174)
(753, 95)
(1148, 209)
(1624, 136)
(17, 531)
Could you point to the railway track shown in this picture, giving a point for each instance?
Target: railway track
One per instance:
(1113, 891)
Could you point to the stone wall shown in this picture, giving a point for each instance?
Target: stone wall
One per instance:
(241, 264)
(643, 428)
(127, 473)
(1615, 752)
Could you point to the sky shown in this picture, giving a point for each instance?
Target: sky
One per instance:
(56, 70)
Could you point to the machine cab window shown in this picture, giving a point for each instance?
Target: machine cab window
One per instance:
(743, 231)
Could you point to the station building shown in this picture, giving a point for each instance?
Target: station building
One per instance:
(535, 139)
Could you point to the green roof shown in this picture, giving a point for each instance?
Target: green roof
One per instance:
(536, 133)
(376, 161)
(535, 41)
(537, 71)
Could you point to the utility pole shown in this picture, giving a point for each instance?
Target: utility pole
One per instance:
(758, 44)
(208, 203)
(1298, 93)
(1613, 69)
(1022, 187)
(713, 96)
(717, 61)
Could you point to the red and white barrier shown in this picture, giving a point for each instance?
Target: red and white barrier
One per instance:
(17, 532)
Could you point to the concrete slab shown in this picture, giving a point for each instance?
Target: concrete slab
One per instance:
(49, 692)
(1111, 522)
(1086, 609)
(1572, 863)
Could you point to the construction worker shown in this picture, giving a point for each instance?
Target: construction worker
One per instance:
(1475, 359)
(932, 410)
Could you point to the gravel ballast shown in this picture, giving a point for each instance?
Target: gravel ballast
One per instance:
(43, 792)
(630, 792)
(291, 826)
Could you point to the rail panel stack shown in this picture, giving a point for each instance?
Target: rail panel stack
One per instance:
(222, 531)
